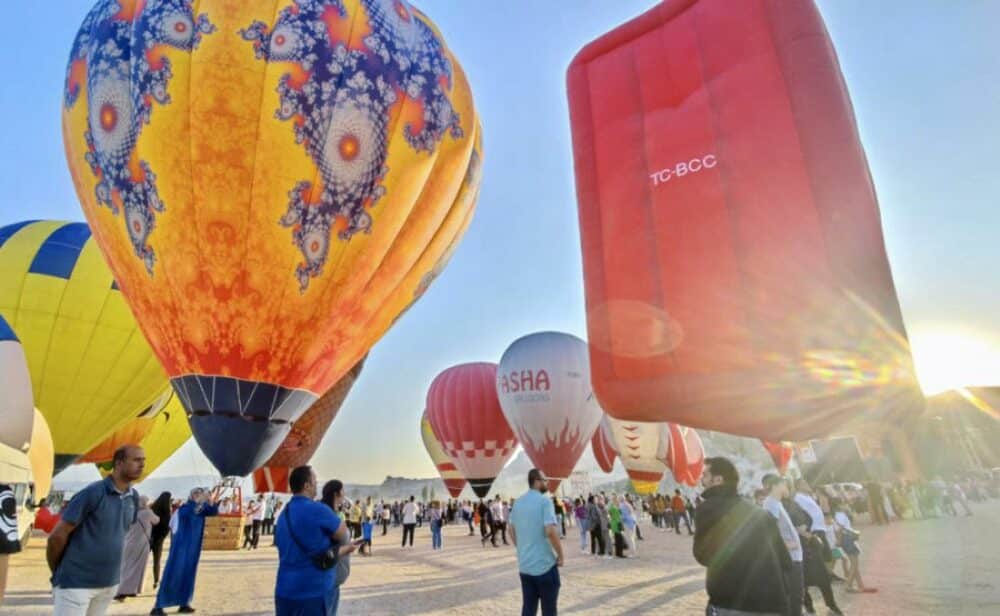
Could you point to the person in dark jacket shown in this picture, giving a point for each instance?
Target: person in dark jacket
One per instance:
(741, 547)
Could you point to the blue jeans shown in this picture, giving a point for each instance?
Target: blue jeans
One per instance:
(540, 588)
(436, 535)
(316, 606)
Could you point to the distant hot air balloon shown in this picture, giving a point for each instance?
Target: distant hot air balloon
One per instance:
(465, 414)
(17, 405)
(686, 455)
(307, 433)
(642, 448)
(91, 368)
(603, 448)
(41, 456)
(781, 454)
(735, 273)
(160, 433)
(543, 382)
(272, 187)
(450, 475)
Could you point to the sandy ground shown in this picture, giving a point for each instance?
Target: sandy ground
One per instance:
(948, 566)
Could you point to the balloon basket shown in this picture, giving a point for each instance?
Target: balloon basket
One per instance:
(225, 531)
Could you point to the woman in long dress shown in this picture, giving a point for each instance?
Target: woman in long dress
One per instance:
(136, 551)
(163, 509)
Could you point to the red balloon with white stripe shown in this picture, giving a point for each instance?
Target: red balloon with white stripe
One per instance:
(544, 389)
(781, 454)
(465, 413)
(686, 455)
(603, 448)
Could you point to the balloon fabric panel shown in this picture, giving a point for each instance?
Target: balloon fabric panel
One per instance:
(40, 454)
(17, 409)
(450, 474)
(91, 368)
(735, 273)
(255, 172)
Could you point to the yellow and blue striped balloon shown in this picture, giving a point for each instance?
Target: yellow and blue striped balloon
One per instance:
(91, 367)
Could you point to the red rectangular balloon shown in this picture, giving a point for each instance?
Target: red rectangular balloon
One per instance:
(735, 271)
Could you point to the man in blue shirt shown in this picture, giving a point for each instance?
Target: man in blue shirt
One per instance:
(304, 529)
(535, 532)
(84, 551)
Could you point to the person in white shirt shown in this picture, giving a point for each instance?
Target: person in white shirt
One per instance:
(410, 511)
(794, 580)
(804, 499)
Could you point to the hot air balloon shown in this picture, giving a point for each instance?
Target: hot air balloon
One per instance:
(272, 189)
(17, 407)
(735, 273)
(160, 432)
(40, 455)
(781, 453)
(642, 447)
(132, 433)
(603, 448)
(302, 442)
(686, 455)
(91, 368)
(465, 414)
(543, 382)
(450, 475)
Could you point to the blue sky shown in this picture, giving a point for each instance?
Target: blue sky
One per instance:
(924, 77)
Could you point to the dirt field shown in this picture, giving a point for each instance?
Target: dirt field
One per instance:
(948, 566)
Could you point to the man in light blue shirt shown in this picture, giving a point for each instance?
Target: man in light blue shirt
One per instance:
(535, 532)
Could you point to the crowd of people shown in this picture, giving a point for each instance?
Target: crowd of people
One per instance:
(763, 551)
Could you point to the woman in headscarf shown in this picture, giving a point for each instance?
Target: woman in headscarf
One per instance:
(138, 541)
(162, 508)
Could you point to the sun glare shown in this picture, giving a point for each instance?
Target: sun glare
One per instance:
(951, 359)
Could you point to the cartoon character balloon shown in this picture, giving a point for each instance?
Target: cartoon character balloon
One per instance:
(307, 433)
(603, 448)
(91, 368)
(160, 433)
(735, 273)
(17, 406)
(642, 447)
(450, 475)
(465, 414)
(273, 184)
(543, 382)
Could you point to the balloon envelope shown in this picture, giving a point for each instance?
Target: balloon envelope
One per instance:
(543, 383)
(465, 414)
(160, 434)
(781, 454)
(603, 448)
(91, 368)
(272, 187)
(40, 455)
(642, 447)
(450, 475)
(307, 433)
(735, 273)
(17, 406)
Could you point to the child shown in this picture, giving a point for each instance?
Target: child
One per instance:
(366, 535)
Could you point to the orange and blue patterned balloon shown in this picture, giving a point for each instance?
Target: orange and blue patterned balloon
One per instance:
(273, 184)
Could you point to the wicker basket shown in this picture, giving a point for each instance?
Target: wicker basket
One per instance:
(223, 532)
